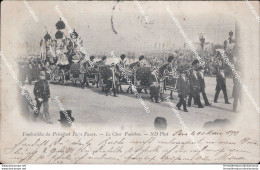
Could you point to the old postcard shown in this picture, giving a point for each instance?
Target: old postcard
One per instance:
(129, 82)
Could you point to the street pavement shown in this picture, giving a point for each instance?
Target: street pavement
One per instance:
(90, 106)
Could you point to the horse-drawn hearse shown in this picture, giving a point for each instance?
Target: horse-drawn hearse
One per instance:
(69, 64)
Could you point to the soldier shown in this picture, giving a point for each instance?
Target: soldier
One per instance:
(183, 88)
(122, 68)
(202, 85)
(89, 67)
(110, 81)
(123, 61)
(42, 95)
(165, 69)
(221, 85)
(154, 86)
(89, 64)
(194, 85)
(141, 62)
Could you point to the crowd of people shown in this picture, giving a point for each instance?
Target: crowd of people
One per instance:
(64, 55)
(190, 82)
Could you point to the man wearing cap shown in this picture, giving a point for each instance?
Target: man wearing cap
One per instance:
(221, 85)
(42, 95)
(194, 85)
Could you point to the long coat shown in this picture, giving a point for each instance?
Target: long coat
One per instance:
(154, 85)
(194, 83)
(201, 80)
(183, 86)
(42, 90)
(221, 78)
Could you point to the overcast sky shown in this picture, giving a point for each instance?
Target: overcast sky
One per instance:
(92, 21)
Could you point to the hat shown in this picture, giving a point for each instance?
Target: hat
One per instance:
(92, 57)
(104, 57)
(66, 119)
(195, 62)
(122, 56)
(170, 58)
(160, 123)
(141, 58)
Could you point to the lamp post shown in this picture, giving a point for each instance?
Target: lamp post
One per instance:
(230, 37)
(225, 45)
(202, 42)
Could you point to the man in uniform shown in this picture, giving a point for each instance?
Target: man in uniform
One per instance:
(42, 95)
(110, 81)
(123, 61)
(221, 85)
(142, 61)
(194, 85)
(89, 66)
(166, 68)
(139, 63)
(154, 86)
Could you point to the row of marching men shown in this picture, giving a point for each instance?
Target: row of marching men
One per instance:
(191, 84)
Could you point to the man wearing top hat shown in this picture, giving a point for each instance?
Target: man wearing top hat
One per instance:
(194, 85)
(221, 84)
(183, 88)
(42, 95)
(202, 85)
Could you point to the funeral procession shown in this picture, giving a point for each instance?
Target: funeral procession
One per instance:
(124, 87)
